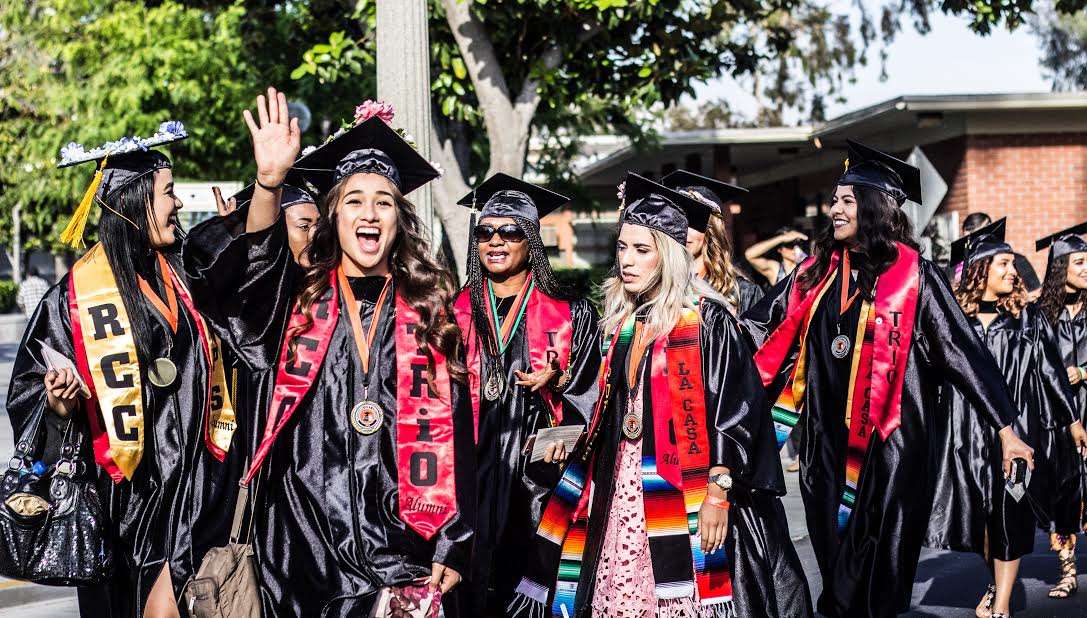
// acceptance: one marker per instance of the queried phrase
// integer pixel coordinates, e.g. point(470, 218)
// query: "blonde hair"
point(670, 289)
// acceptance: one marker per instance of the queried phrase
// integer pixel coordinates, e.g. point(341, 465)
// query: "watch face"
point(723, 481)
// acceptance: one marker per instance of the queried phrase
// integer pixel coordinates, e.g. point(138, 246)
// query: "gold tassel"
point(847, 164)
point(73, 234)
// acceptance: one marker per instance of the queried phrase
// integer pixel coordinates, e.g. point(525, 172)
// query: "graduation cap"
point(657, 207)
point(715, 192)
point(120, 163)
point(294, 192)
point(1064, 242)
point(871, 168)
point(371, 147)
point(980, 244)
point(503, 195)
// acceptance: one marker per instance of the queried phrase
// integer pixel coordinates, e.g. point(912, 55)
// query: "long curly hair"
point(421, 281)
point(974, 281)
point(721, 273)
point(1052, 299)
point(543, 278)
point(881, 225)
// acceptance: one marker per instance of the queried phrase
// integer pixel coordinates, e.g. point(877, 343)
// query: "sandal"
point(1067, 585)
point(986, 602)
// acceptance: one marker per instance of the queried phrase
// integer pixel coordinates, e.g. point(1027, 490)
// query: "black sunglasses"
point(509, 232)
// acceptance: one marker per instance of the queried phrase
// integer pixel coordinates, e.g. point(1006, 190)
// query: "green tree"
point(86, 71)
point(503, 72)
point(1063, 41)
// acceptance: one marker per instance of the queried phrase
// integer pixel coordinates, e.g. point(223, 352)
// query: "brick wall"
point(1039, 181)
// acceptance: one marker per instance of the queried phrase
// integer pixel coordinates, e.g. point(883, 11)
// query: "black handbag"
point(52, 526)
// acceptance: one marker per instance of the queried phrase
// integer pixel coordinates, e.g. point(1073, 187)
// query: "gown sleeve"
point(453, 547)
point(750, 295)
point(761, 319)
point(242, 283)
point(579, 396)
point(742, 437)
point(955, 351)
point(50, 324)
point(1052, 375)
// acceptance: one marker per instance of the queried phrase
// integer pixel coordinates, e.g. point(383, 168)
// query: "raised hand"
point(276, 138)
point(224, 207)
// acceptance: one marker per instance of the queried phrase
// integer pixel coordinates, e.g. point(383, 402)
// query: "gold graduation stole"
point(107, 361)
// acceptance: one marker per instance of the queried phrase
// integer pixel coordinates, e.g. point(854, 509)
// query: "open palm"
point(276, 137)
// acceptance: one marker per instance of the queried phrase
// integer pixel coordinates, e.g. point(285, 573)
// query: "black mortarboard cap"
point(1064, 242)
point(717, 192)
point(371, 146)
point(657, 207)
point(871, 168)
point(503, 195)
point(980, 244)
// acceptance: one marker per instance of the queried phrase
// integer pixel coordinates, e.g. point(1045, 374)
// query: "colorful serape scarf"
point(674, 483)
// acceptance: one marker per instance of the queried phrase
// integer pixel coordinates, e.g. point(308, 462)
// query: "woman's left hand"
point(443, 578)
point(537, 379)
point(1079, 435)
point(712, 526)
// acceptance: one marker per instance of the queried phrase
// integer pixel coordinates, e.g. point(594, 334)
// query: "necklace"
point(841, 344)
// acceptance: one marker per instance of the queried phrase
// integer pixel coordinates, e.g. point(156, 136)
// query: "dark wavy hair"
point(128, 250)
point(881, 225)
point(974, 280)
point(421, 281)
point(1051, 300)
point(543, 278)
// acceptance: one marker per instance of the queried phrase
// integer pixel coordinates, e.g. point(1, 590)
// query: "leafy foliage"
point(1063, 40)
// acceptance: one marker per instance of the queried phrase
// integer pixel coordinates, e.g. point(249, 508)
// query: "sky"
point(950, 59)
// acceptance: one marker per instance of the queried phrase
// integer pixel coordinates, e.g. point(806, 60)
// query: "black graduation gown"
point(970, 494)
point(1069, 511)
point(749, 295)
point(327, 534)
point(178, 504)
point(767, 577)
point(512, 491)
point(870, 570)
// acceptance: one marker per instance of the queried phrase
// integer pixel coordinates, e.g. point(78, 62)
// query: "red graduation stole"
point(895, 310)
point(549, 330)
point(424, 412)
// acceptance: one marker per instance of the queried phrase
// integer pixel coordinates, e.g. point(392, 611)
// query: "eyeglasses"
point(509, 232)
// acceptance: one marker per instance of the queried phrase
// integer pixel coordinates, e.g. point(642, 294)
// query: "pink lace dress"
point(624, 576)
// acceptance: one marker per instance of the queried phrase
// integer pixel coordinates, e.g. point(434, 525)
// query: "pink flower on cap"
point(370, 108)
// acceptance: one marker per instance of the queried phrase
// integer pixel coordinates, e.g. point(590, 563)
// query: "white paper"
point(567, 434)
point(56, 361)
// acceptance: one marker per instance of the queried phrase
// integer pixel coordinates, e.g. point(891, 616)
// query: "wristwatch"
point(723, 481)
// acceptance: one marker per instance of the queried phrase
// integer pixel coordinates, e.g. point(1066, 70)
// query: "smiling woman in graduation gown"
point(533, 359)
point(972, 510)
point(867, 485)
point(159, 419)
point(1063, 301)
point(683, 518)
point(369, 475)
